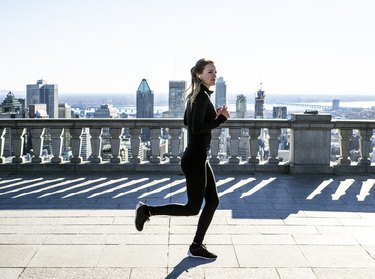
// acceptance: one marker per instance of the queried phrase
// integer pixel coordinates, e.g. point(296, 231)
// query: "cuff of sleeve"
point(222, 118)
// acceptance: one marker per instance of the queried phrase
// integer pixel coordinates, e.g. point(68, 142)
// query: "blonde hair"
point(195, 81)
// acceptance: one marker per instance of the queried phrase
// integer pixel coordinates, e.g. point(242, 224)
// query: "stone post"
point(254, 145)
point(274, 146)
point(37, 138)
point(18, 141)
point(344, 135)
point(76, 141)
point(235, 134)
point(96, 144)
point(175, 134)
point(115, 144)
point(135, 141)
point(365, 144)
point(311, 143)
point(56, 138)
point(2, 141)
point(215, 142)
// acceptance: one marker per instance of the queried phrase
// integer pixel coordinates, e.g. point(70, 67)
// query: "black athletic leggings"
point(200, 183)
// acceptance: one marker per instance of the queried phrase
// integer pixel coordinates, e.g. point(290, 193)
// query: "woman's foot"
point(141, 215)
point(200, 251)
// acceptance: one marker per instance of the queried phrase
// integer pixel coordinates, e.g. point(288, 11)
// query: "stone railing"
point(310, 141)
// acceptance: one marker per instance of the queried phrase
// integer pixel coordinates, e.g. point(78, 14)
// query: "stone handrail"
point(309, 144)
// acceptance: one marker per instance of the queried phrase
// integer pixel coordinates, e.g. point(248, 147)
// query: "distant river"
point(269, 106)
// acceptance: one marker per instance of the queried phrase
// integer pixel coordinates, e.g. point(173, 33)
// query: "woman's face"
point(208, 76)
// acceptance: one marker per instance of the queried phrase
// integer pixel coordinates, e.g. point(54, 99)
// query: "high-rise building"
point(11, 105)
point(241, 112)
point(259, 104)
point(335, 104)
point(42, 93)
point(220, 93)
point(65, 111)
point(145, 101)
point(145, 106)
point(279, 112)
point(177, 89)
point(106, 111)
point(241, 106)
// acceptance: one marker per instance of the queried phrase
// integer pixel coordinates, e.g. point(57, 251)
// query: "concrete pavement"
point(267, 226)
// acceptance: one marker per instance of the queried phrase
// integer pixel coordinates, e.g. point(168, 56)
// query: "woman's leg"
point(194, 168)
point(211, 203)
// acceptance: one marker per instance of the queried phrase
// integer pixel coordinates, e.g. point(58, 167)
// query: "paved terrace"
point(267, 226)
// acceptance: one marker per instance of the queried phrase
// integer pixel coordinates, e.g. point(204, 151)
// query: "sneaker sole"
point(199, 257)
point(139, 204)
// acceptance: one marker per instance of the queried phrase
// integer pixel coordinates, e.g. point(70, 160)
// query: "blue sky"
point(292, 46)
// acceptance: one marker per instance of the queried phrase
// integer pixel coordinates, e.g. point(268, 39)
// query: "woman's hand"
point(222, 110)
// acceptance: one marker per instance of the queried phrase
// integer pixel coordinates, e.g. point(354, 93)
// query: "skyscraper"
point(145, 106)
point(145, 101)
point(241, 106)
point(42, 93)
point(176, 98)
point(220, 92)
point(259, 104)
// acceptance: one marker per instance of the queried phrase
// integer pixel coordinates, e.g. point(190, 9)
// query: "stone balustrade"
point(310, 141)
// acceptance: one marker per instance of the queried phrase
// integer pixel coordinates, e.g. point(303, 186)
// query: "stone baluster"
point(175, 134)
point(274, 146)
point(37, 138)
point(96, 144)
point(344, 136)
point(365, 144)
point(215, 142)
point(18, 140)
point(135, 142)
point(56, 139)
point(2, 141)
point(155, 145)
point(115, 144)
point(76, 142)
point(254, 145)
point(235, 134)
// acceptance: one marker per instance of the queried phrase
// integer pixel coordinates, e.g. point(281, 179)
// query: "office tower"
point(220, 93)
point(279, 112)
point(241, 106)
point(145, 101)
point(65, 111)
point(145, 106)
point(259, 104)
point(11, 105)
point(244, 147)
point(106, 111)
point(176, 98)
point(335, 104)
point(42, 93)
point(38, 111)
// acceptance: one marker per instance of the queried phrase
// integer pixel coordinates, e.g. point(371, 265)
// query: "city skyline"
point(292, 47)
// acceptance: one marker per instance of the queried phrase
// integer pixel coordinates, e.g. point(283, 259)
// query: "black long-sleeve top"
point(201, 119)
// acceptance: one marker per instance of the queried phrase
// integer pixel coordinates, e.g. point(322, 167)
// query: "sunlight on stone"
point(365, 189)
point(172, 184)
point(21, 183)
point(341, 190)
point(239, 184)
point(51, 187)
point(105, 184)
point(145, 186)
point(319, 189)
point(130, 183)
point(261, 185)
point(32, 186)
point(83, 184)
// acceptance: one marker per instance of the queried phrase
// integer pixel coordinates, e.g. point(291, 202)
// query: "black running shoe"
point(201, 252)
point(140, 216)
